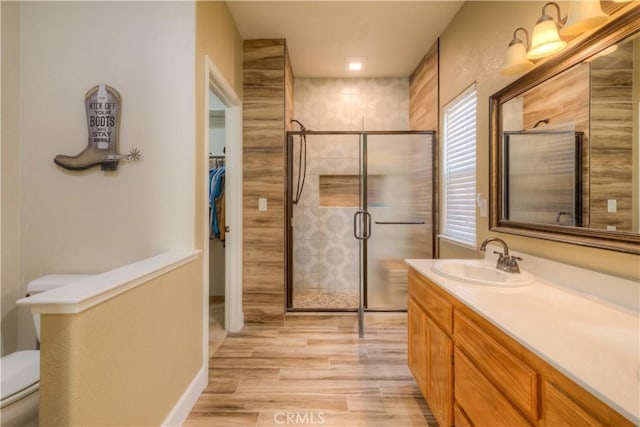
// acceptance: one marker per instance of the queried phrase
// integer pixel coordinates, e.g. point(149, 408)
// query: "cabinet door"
point(440, 374)
point(560, 411)
point(418, 345)
point(483, 404)
point(459, 418)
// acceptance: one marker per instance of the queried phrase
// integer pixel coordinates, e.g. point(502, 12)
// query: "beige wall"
point(127, 361)
point(217, 37)
point(472, 49)
point(10, 281)
point(140, 351)
point(93, 221)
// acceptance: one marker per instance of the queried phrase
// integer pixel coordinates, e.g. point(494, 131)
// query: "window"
point(459, 168)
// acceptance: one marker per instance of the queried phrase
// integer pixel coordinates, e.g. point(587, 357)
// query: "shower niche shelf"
point(343, 191)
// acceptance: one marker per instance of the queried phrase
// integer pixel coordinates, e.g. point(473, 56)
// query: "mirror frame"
point(622, 25)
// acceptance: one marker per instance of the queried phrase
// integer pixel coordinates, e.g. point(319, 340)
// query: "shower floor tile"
point(325, 300)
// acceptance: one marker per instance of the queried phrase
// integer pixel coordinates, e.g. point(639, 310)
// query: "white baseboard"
point(183, 406)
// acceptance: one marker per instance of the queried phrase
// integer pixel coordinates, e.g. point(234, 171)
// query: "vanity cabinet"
point(498, 382)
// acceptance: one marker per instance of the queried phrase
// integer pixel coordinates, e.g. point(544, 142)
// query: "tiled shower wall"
point(344, 104)
point(325, 251)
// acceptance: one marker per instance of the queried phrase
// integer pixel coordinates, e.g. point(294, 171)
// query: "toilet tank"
point(46, 283)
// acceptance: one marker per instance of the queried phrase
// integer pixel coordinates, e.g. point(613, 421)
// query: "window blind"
point(459, 168)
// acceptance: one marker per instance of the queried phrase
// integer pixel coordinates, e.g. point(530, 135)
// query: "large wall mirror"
point(565, 149)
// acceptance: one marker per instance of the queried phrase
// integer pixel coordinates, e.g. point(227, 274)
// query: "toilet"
point(20, 371)
point(20, 388)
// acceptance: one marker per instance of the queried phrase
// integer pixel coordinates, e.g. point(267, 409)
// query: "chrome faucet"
point(506, 262)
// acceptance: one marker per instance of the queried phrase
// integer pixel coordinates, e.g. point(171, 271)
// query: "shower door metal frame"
point(362, 208)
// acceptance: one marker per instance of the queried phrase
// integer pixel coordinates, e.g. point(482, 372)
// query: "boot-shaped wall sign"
point(102, 104)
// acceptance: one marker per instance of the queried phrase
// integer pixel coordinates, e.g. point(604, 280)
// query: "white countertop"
point(591, 341)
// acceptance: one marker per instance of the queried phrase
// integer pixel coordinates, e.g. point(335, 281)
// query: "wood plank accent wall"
point(288, 92)
point(424, 114)
point(612, 138)
point(562, 98)
point(264, 82)
point(423, 93)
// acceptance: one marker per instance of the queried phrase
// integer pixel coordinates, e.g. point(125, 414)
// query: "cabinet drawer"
point(434, 305)
point(482, 402)
point(514, 378)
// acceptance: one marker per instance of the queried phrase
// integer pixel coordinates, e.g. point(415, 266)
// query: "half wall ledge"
point(86, 293)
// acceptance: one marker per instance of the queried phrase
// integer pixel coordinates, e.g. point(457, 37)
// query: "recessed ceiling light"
point(355, 63)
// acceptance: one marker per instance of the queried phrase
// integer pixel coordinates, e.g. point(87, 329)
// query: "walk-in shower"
point(368, 203)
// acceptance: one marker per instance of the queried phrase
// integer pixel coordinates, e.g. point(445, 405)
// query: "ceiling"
point(393, 36)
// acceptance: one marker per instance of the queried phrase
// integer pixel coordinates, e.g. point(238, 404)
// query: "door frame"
point(216, 83)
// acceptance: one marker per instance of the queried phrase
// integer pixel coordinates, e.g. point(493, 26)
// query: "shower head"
point(302, 128)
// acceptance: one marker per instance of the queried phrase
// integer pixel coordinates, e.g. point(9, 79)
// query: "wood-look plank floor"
point(313, 371)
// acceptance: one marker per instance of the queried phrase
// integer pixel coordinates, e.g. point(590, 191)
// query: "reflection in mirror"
point(564, 144)
point(569, 146)
point(542, 177)
point(615, 85)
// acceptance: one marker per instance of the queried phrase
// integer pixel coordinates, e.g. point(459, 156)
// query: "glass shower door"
point(399, 198)
point(323, 260)
point(359, 203)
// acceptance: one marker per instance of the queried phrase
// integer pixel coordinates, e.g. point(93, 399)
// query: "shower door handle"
point(400, 222)
point(367, 228)
point(365, 225)
point(356, 216)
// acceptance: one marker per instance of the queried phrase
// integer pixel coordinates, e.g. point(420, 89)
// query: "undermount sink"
point(482, 273)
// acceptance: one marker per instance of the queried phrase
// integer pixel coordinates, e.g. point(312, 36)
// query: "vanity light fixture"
point(583, 16)
point(545, 39)
point(516, 61)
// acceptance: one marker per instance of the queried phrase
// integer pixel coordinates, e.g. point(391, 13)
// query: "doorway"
point(220, 97)
point(358, 204)
point(217, 202)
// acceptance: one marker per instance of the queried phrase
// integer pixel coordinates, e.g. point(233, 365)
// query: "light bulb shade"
point(583, 16)
point(516, 61)
point(545, 40)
